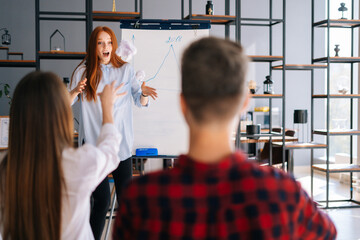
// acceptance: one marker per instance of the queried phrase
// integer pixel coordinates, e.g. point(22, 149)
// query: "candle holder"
point(57, 48)
point(268, 86)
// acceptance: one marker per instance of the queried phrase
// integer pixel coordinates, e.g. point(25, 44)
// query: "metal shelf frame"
point(328, 24)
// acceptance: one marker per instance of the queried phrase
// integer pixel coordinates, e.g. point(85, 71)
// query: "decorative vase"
point(209, 8)
point(337, 50)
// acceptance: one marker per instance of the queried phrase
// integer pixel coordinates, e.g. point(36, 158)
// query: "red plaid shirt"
point(233, 199)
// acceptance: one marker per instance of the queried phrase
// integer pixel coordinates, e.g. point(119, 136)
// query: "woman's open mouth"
point(106, 54)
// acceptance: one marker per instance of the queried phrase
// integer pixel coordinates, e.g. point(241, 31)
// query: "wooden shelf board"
point(17, 63)
point(109, 15)
point(60, 52)
point(266, 139)
point(337, 167)
point(264, 58)
point(338, 132)
point(338, 23)
point(266, 95)
point(61, 55)
point(294, 145)
point(220, 19)
point(4, 48)
point(15, 53)
point(337, 96)
point(300, 67)
point(338, 59)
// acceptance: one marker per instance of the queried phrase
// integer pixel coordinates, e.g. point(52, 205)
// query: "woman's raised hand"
point(108, 97)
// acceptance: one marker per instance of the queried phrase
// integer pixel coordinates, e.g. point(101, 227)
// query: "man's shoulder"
point(150, 183)
point(268, 175)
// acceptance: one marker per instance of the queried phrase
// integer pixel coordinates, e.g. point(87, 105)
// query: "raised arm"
point(96, 162)
point(77, 90)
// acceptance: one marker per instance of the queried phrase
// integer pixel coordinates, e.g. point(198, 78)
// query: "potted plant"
point(5, 90)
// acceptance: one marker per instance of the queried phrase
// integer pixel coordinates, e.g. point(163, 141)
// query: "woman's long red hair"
point(93, 71)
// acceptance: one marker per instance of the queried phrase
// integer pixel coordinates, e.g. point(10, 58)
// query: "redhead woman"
point(101, 66)
point(45, 183)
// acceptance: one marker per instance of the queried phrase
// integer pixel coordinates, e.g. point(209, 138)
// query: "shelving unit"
point(89, 16)
point(328, 168)
point(269, 22)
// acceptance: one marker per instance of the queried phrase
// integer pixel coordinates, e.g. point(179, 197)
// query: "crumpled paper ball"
point(140, 75)
point(126, 50)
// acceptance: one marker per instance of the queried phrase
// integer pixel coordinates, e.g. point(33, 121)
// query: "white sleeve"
point(88, 165)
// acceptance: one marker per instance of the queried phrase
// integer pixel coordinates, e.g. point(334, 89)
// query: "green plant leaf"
point(7, 85)
point(6, 91)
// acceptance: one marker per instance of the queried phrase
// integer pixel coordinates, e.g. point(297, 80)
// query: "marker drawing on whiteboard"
point(133, 42)
point(171, 49)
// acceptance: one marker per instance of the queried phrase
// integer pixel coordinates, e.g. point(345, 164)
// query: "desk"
point(296, 145)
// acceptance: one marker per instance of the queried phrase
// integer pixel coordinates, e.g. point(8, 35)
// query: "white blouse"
point(91, 112)
point(84, 168)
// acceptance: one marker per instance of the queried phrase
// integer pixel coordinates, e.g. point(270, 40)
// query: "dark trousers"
point(100, 199)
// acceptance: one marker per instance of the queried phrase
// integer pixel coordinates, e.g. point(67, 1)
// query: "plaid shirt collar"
point(186, 161)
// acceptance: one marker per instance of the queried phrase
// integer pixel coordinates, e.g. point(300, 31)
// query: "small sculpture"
point(337, 50)
point(252, 87)
point(114, 6)
point(342, 9)
point(343, 90)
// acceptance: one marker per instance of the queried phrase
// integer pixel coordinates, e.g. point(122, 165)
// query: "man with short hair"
point(214, 192)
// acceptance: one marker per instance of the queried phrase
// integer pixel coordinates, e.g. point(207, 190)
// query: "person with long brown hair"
point(100, 66)
point(45, 183)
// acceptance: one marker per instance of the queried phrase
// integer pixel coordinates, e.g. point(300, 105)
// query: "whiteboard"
point(161, 125)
